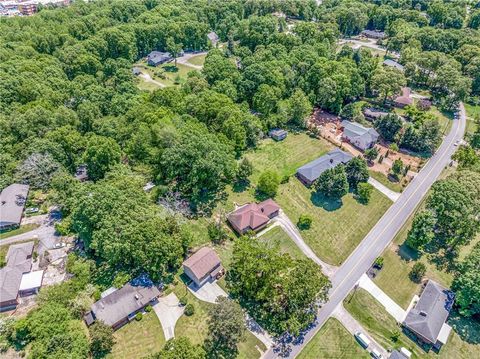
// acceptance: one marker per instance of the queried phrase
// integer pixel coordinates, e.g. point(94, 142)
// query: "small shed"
point(213, 38)
point(278, 134)
point(136, 71)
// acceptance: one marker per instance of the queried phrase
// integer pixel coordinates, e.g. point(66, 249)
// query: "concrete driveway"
point(168, 311)
point(392, 195)
point(209, 292)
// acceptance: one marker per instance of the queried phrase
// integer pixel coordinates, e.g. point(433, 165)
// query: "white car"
point(376, 354)
point(362, 338)
point(59, 245)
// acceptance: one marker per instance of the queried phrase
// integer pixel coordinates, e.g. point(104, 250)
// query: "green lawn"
point(333, 341)
point(138, 338)
point(23, 229)
point(279, 237)
point(195, 327)
point(166, 74)
point(286, 156)
point(198, 60)
point(337, 227)
point(472, 112)
point(374, 318)
point(380, 177)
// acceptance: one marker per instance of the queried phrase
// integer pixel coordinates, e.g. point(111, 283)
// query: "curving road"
point(384, 231)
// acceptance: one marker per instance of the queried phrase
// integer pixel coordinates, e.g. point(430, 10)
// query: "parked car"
point(59, 245)
point(363, 340)
point(31, 210)
point(376, 354)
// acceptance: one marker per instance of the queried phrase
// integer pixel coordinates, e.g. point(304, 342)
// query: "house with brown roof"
point(253, 216)
point(404, 99)
point(204, 265)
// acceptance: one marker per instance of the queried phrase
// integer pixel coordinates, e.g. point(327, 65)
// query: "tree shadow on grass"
point(407, 253)
point(443, 257)
point(240, 186)
point(328, 204)
point(466, 327)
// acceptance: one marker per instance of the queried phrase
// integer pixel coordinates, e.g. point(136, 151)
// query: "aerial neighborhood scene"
point(220, 179)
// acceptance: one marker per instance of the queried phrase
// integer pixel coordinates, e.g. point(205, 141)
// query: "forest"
point(68, 97)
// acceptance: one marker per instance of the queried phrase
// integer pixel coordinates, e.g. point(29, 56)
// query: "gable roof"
point(430, 312)
point(404, 98)
point(157, 56)
point(202, 262)
point(314, 169)
point(12, 202)
point(373, 113)
point(212, 36)
point(123, 302)
point(19, 261)
point(355, 131)
point(253, 215)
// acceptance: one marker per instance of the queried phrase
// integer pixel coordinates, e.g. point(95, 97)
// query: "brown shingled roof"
point(253, 215)
point(202, 262)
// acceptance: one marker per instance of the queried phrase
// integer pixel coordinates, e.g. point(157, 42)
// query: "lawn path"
point(385, 190)
point(148, 78)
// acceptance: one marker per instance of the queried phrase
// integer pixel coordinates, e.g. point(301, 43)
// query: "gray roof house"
point(312, 170)
point(359, 136)
point(373, 114)
point(374, 34)
point(12, 203)
point(120, 306)
point(394, 64)
point(19, 261)
point(213, 37)
point(156, 58)
point(427, 318)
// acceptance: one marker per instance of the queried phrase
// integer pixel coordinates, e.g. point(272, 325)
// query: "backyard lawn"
point(472, 112)
point(374, 318)
point(333, 341)
point(23, 229)
point(279, 237)
point(167, 74)
point(337, 227)
point(138, 338)
point(195, 327)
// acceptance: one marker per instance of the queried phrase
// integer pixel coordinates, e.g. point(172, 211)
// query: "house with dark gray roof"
point(19, 262)
point(359, 136)
point(374, 34)
point(156, 58)
point(427, 318)
point(12, 203)
point(312, 170)
point(121, 306)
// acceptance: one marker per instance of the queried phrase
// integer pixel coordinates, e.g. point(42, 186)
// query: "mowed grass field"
point(377, 322)
point(138, 338)
point(333, 341)
point(278, 237)
point(198, 60)
point(337, 227)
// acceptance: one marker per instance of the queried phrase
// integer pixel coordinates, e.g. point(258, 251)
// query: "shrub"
point(417, 272)
point(395, 335)
point(148, 308)
point(304, 222)
point(380, 159)
point(364, 192)
point(379, 262)
point(183, 301)
point(138, 317)
point(285, 179)
point(189, 310)
point(268, 183)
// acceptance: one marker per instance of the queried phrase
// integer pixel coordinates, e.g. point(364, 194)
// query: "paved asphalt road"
point(384, 231)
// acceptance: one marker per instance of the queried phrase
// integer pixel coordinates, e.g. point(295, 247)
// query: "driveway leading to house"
point(148, 78)
point(295, 235)
point(385, 190)
point(351, 324)
point(255, 328)
point(389, 304)
point(187, 56)
point(168, 311)
point(209, 292)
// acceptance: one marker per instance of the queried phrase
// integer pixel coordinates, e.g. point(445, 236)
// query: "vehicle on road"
point(362, 339)
point(376, 354)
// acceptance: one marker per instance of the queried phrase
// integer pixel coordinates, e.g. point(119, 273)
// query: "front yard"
point(22, 229)
point(333, 341)
point(138, 338)
point(278, 236)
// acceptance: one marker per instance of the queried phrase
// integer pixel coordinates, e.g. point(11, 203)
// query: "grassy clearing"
point(444, 119)
point(333, 341)
point(472, 113)
point(279, 237)
point(23, 229)
point(338, 226)
point(167, 74)
point(373, 317)
point(197, 60)
point(138, 338)
point(380, 177)
point(195, 327)
point(286, 156)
